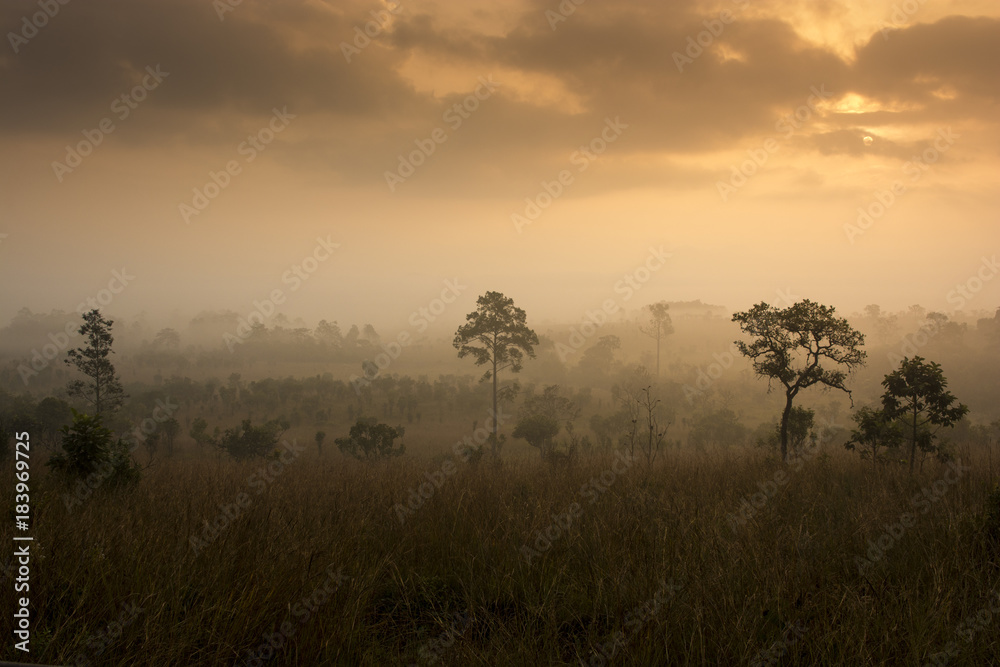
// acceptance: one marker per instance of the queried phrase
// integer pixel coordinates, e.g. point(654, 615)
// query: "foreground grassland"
point(648, 570)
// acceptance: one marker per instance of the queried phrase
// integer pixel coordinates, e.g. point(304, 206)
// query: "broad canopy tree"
point(917, 395)
point(370, 440)
point(790, 345)
point(495, 335)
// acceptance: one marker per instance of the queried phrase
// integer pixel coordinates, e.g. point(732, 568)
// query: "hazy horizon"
point(827, 107)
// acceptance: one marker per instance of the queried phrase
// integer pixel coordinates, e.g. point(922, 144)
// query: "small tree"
point(199, 432)
point(104, 389)
point(539, 430)
point(170, 429)
point(320, 437)
point(658, 326)
point(369, 440)
point(247, 441)
point(916, 394)
point(503, 339)
point(88, 448)
point(721, 428)
point(647, 419)
point(606, 429)
point(598, 360)
point(874, 431)
point(790, 344)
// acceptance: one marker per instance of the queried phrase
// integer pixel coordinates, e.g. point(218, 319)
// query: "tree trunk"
point(496, 439)
point(784, 427)
point(913, 441)
point(657, 350)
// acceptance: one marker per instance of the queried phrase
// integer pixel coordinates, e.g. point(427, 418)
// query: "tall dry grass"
point(651, 571)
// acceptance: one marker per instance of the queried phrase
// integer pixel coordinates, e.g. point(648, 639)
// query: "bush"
point(247, 441)
point(370, 440)
point(88, 447)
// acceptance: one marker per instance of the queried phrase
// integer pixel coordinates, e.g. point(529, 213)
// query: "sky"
point(359, 160)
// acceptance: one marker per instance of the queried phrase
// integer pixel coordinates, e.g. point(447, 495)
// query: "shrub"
point(369, 440)
point(89, 447)
point(247, 441)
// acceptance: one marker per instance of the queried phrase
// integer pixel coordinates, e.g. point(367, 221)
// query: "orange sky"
point(619, 101)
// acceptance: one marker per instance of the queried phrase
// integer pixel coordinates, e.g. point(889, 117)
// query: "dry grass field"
point(701, 559)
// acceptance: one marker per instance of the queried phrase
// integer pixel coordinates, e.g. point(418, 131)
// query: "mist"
point(425, 332)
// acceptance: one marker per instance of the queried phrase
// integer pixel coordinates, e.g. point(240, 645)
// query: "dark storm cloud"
point(909, 64)
point(615, 60)
point(69, 73)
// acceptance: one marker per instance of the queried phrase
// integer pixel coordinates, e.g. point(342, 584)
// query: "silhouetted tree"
point(369, 440)
point(503, 337)
point(599, 358)
point(89, 448)
point(167, 338)
point(170, 428)
point(248, 441)
point(789, 345)
point(874, 430)
point(721, 428)
point(916, 394)
point(104, 389)
point(538, 430)
point(658, 326)
point(320, 437)
point(199, 432)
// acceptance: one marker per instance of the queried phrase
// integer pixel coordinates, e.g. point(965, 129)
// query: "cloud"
point(559, 85)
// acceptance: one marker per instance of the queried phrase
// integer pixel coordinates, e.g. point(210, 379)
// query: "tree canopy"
point(496, 335)
point(791, 345)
